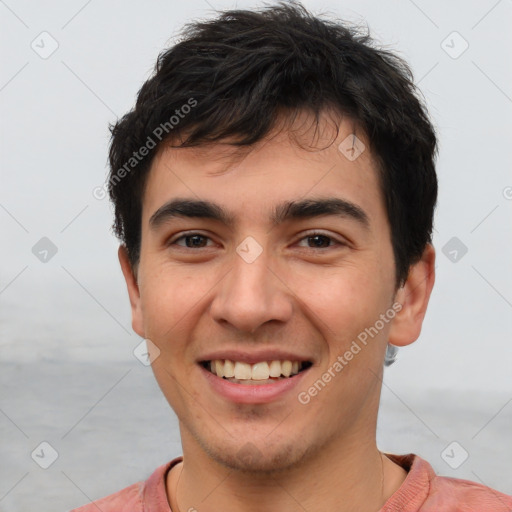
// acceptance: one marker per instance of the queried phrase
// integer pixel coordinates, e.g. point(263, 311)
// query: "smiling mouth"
point(263, 372)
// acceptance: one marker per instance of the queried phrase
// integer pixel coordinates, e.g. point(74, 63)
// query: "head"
point(259, 132)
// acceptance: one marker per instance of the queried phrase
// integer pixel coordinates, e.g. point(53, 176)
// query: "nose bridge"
point(250, 295)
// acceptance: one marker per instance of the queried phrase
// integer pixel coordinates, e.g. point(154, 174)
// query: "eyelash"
point(311, 234)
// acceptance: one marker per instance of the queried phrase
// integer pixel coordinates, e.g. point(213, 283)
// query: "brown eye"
point(316, 240)
point(319, 241)
point(192, 240)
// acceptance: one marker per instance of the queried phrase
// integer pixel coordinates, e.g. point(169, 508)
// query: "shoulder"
point(466, 496)
point(145, 495)
point(126, 500)
point(425, 491)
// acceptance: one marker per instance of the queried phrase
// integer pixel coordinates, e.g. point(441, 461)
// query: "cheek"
point(340, 297)
point(344, 305)
point(168, 298)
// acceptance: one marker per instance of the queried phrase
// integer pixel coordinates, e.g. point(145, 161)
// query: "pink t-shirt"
point(421, 491)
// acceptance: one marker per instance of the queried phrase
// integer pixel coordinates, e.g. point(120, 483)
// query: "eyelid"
point(184, 234)
point(310, 233)
point(315, 232)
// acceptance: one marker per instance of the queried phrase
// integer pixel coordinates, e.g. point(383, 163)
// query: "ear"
point(413, 295)
point(133, 290)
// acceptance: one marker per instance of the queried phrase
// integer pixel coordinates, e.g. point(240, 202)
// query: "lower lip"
point(251, 393)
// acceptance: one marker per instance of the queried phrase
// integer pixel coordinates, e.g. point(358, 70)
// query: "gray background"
point(68, 373)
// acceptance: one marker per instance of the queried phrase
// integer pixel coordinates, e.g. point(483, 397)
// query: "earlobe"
point(133, 290)
point(413, 296)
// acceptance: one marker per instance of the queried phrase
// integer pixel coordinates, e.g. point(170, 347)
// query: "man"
point(274, 190)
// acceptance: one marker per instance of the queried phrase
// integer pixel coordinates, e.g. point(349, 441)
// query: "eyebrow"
point(289, 210)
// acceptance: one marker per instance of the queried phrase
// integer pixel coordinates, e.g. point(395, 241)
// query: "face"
point(259, 275)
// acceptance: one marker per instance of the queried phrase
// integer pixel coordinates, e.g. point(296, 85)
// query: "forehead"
point(302, 161)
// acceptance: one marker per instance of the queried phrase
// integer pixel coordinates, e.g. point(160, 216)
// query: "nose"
point(250, 295)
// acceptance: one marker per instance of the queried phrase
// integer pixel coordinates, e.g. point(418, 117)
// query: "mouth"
point(259, 373)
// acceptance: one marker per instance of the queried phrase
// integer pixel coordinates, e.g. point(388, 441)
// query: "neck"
point(336, 478)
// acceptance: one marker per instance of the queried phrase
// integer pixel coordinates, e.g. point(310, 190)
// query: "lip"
point(254, 357)
point(251, 393)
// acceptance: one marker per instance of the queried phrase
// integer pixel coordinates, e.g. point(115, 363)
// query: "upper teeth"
point(258, 371)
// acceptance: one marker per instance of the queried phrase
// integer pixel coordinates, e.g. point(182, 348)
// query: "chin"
point(262, 458)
